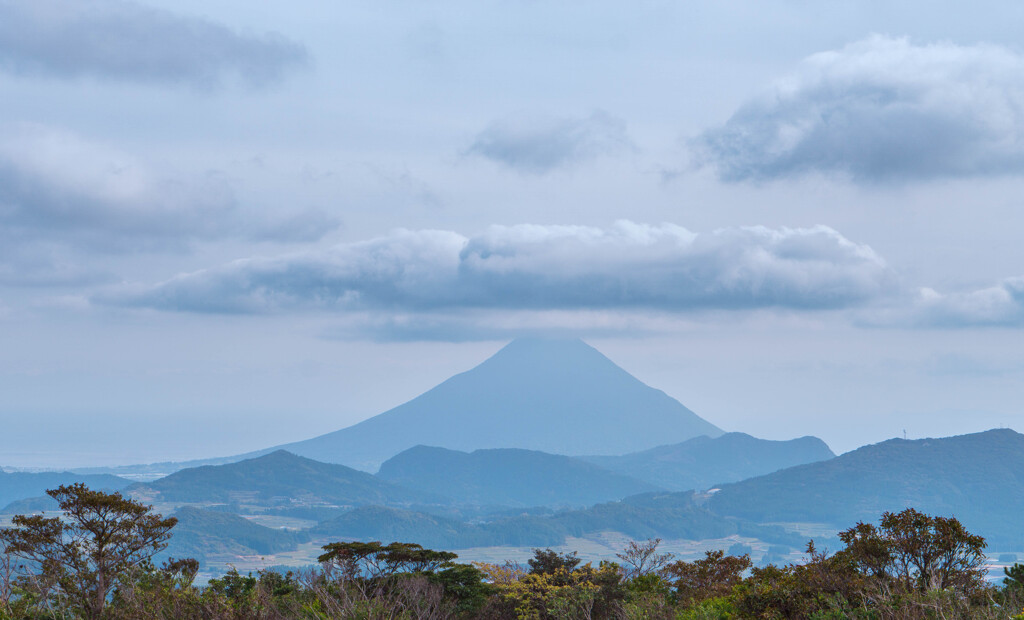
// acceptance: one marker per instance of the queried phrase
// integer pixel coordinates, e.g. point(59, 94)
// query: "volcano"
point(556, 396)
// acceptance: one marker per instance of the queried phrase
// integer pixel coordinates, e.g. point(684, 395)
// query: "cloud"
point(1001, 305)
point(881, 110)
point(541, 145)
point(537, 268)
point(477, 326)
point(57, 186)
point(63, 197)
point(124, 40)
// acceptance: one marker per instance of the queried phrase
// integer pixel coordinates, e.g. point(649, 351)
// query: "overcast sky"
point(226, 225)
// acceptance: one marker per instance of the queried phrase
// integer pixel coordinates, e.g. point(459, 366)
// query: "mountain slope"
point(279, 477)
point(508, 476)
point(701, 462)
point(16, 486)
point(556, 396)
point(978, 478)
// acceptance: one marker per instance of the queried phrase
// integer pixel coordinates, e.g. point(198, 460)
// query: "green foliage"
point(918, 552)
point(466, 585)
point(1014, 578)
point(720, 608)
point(374, 560)
point(549, 562)
point(876, 577)
point(585, 592)
point(710, 577)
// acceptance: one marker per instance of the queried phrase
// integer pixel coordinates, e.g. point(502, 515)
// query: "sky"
point(227, 225)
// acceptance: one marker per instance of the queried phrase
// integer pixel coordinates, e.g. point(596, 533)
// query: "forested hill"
point(978, 478)
point(508, 477)
point(701, 462)
point(653, 515)
point(557, 396)
point(283, 476)
point(202, 534)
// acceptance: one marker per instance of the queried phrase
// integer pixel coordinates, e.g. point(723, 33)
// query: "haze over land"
point(731, 492)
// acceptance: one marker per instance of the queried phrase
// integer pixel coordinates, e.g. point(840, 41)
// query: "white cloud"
point(625, 267)
point(880, 110)
point(1001, 305)
point(540, 145)
point(126, 40)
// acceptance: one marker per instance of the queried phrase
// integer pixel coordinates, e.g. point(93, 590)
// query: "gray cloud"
point(536, 268)
point(540, 145)
point(1001, 305)
point(63, 197)
point(880, 110)
point(129, 41)
point(57, 187)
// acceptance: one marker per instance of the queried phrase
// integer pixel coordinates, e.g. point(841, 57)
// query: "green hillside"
point(977, 478)
point(202, 534)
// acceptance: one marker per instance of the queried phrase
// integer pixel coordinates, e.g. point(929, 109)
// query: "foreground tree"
point(640, 559)
point(918, 551)
point(548, 562)
point(376, 561)
point(713, 575)
point(83, 555)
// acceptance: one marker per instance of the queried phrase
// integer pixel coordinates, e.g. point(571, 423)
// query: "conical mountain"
point(556, 396)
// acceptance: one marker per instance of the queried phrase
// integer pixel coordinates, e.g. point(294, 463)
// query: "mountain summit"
point(556, 396)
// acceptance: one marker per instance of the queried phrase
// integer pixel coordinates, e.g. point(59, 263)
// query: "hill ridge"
point(977, 477)
point(508, 477)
